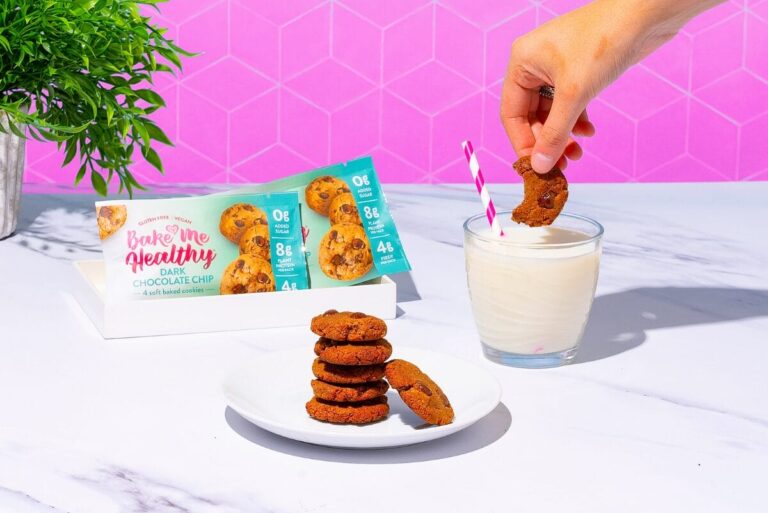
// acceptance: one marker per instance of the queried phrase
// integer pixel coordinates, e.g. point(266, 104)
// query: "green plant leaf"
point(156, 133)
point(153, 158)
point(78, 73)
point(99, 185)
point(150, 96)
point(110, 110)
point(142, 131)
point(80, 174)
point(71, 152)
point(131, 180)
point(15, 129)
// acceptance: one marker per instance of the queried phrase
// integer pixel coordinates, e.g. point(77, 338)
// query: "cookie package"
point(201, 246)
point(350, 236)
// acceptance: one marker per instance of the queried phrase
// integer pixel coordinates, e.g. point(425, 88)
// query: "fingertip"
point(541, 163)
point(584, 129)
point(574, 151)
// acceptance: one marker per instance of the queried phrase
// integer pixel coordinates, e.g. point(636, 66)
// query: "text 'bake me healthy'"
point(174, 245)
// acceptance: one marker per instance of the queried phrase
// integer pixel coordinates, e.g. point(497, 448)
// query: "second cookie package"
point(328, 227)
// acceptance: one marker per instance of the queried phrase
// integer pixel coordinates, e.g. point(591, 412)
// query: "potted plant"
point(79, 73)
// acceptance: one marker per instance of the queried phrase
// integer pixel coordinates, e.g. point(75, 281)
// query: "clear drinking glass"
point(532, 289)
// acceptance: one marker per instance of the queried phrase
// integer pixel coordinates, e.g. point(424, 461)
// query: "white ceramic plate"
point(271, 392)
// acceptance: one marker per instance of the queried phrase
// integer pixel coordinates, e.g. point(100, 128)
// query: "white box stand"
point(203, 314)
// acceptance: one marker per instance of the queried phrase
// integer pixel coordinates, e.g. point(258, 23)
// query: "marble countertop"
point(664, 409)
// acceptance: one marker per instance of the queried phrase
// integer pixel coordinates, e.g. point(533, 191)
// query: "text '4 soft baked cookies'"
point(350, 366)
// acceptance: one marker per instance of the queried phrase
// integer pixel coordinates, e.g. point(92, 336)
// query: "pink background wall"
point(288, 85)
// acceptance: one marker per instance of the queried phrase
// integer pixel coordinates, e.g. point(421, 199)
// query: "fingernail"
point(542, 163)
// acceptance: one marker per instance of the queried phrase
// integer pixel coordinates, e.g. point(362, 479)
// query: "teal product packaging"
point(350, 236)
point(200, 246)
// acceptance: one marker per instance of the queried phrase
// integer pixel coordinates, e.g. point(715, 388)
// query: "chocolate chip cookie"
point(110, 218)
point(321, 191)
point(348, 326)
point(419, 392)
point(545, 195)
point(236, 219)
point(363, 412)
point(348, 393)
point(343, 209)
point(346, 374)
point(246, 274)
point(344, 252)
point(255, 241)
point(359, 353)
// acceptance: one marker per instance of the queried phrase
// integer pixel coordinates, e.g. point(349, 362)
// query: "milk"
point(532, 289)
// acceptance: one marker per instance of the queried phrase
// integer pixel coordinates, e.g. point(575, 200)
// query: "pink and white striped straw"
point(477, 174)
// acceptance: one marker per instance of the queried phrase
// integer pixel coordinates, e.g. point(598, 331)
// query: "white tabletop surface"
point(665, 409)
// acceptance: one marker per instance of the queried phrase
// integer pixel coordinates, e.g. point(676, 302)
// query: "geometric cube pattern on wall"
point(285, 86)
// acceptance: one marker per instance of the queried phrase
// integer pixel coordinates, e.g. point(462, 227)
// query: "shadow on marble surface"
point(406, 287)
point(620, 321)
point(53, 225)
point(34, 205)
point(482, 434)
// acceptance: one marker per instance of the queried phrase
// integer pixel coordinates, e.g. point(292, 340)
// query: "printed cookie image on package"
point(198, 246)
point(350, 236)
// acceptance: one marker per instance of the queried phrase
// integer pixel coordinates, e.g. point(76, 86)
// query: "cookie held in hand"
point(545, 195)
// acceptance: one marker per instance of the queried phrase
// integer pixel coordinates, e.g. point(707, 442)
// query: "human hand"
point(579, 53)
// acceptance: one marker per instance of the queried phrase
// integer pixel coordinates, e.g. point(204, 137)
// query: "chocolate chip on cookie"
point(246, 274)
point(236, 219)
point(545, 195)
point(348, 326)
point(110, 218)
point(363, 412)
point(344, 252)
point(358, 353)
point(322, 190)
point(346, 374)
point(419, 392)
point(349, 393)
point(343, 209)
point(255, 241)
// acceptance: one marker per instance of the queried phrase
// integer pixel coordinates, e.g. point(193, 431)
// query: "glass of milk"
point(532, 288)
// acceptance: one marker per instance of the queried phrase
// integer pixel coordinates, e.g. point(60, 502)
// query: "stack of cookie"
point(349, 367)
point(246, 225)
point(344, 252)
point(351, 362)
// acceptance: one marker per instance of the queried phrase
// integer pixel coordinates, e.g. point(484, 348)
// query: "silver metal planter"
point(11, 173)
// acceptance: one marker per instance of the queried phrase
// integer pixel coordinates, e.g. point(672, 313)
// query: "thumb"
point(553, 137)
